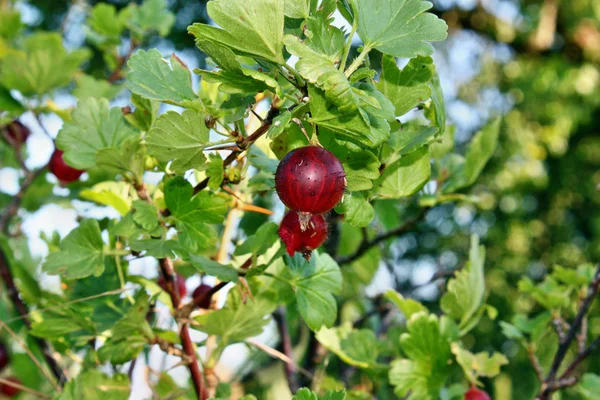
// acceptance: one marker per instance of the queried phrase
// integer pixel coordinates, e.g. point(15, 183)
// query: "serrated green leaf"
point(145, 215)
point(399, 27)
point(54, 326)
point(156, 248)
point(411, 377)
point(253, 28)
point(88, 86)
point(354, 347)
point(152, 77)
point(405, 176)
point(81, 253)
point(94, 127)
point(104, 20)
point(145, 113)
point(280, 123)
point(215, 172)
point(260, 242)
point(466, 290)
point(361, 169)
point(151, 15)
point(297, 8)
point(225, 273)
point(94, 385)
point(356, 209)
point(128, 158)
point(180, 138)
point(315, 282)
point(407, 306)
point(478, 365)
point(114, 194)
point(42, 66)
point(408, 87)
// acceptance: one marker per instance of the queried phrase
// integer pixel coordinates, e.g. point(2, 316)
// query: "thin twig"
point(279, 355)
point(288, 350)
point(535, 362)
point(24, 388)
point(367, 244)
point(582, 356)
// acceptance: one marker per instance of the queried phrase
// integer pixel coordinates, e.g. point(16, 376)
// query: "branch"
point(367, 244)
point(117, 72)
point(550, 384)
point(286, 346)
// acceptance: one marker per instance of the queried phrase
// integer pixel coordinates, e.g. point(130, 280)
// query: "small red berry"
point(4, 359)
point(180, 281)
point(64, 172)
point(8, 390)
point(202, 292)
point(303, 241)
point(476, 394)
point(17, 132)
point(310, 180)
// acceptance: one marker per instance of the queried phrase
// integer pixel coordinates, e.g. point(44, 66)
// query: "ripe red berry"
point(180, 282)
point(310, 180)
point(8, 390)
point(64, 172)
point(4, 359)
point(17, 132)
point(476, 394)
point(303, 241)
point(202, 292)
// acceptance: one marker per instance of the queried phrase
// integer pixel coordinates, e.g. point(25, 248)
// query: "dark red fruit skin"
point(304, 242)
point(203, 291)
point(17, 132)
point(180, 281)
point(310, 179)
point(64, 172)
point(4, 359)
point(476, 394)
point(10, 391)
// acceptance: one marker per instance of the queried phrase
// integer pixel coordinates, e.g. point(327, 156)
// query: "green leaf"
point(10, 22)
point(94, 127)
point(194, 213)
point(315, 283)
point(215, 172)
point(180, 138)
point(154, 78)
point(407, 87)
point(354, 347)
point(145, 215)
point(260, 242)
point(549, 293)
point(405, 141)
point(88, 86)
point(104, 20)
point(407, 306)
point(370, 131)
point(306, 394)
point(114, 194)
point(280, 123)
point(466, 290)
point(436, 112)
point(225, 273)
point(156, 248)
point(297, 8)
point(478, 365)
point(253, 28)
point(361, 169)
point(122, 351)
point(127, 159)
point(356, 209)
point(94, 385)
point(54, 326)
point(80, 253)
point(236, 325)
point(405, 176)
point(479, 151)
point(589, 386)
point(42, 66)
point(243, 81)
point(399, 27)
point(151, 15)
point(412, 377)
point(145, 113)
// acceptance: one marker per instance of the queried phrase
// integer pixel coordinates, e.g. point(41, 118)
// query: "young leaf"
point(400, 28)
point(152, 77)
point(405, 176)
point(80, 253)
point(114, 194)
point(249, 27)
point(466, 290)
point(478, 365)
point(407, 306)
point(94, 127)
point(151, 15)
point(180, 138)
point(215, 172)
point(354, 347)
point(408, 87)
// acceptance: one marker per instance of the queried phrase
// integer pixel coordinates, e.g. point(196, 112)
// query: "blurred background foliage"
point(537, 62)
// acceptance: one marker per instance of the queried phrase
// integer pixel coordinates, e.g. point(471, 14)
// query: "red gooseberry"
point(180, 281)
point(202, 296)
point(64, 172)
point(303, 241)
point(476, 394)
point(4, 359)
point(9, 390)
point(310, 180)
point(16, 132)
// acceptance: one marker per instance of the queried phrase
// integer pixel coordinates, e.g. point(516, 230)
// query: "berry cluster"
point(310, 181)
